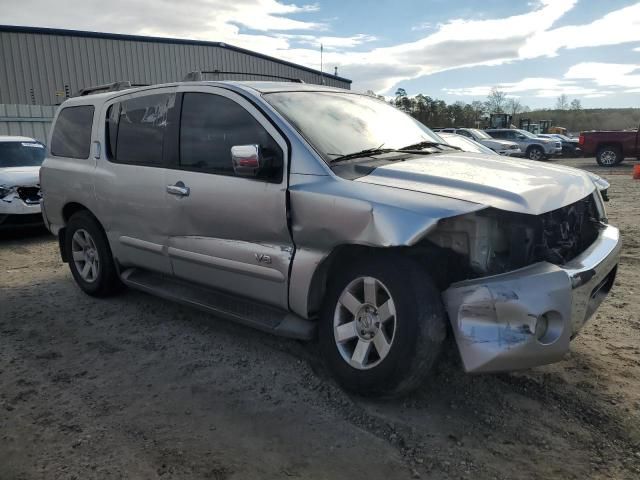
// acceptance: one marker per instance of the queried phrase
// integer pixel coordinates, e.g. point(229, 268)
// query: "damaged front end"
point(20, 205)
point(28, 195)
point(518, 287)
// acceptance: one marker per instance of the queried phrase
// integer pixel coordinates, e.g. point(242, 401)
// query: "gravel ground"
point(137, 387)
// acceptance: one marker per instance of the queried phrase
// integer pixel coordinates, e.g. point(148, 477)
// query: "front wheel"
point(535, 153)
point(609, 156)
point(382, 325)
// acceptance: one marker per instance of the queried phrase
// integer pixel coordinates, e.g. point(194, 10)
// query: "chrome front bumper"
point(527, 317)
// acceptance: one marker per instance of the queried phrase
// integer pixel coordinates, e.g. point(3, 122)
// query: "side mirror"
point(247, 160)
point(520, 137)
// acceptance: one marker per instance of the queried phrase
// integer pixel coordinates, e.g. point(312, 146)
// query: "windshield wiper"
point(427, 144)
point(362, 153)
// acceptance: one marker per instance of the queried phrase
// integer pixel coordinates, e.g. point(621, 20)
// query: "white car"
point(465, 143)
point(20, 160)
point(501, 147)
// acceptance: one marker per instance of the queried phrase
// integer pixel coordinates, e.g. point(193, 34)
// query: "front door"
point(228, 232)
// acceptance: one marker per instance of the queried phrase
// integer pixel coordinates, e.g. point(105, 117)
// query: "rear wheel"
point(609, 156)
point(382, 325)
point(535, 153)
point(90, 259)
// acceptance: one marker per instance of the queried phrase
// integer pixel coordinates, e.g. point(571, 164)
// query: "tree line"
point(567, 113)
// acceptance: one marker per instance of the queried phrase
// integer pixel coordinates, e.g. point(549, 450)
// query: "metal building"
point(43, 66)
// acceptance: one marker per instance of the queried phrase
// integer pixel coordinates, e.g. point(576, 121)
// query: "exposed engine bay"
point(30, 195)
point(493, 241)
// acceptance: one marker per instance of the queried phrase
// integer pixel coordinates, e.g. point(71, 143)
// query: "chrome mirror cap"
point(246, 159)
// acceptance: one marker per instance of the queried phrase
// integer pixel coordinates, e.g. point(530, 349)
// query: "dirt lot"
point(137, 387)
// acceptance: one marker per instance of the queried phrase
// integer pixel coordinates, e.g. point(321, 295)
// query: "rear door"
point(225, 231)
point(131, 178)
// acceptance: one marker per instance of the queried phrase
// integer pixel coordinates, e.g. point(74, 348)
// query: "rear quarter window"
point(72, 132)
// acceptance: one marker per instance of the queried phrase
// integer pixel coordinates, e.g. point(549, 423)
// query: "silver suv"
point(309, 211)
point(534, 147)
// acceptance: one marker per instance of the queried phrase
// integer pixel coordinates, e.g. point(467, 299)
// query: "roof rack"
point(197, 75)
point(108, 87)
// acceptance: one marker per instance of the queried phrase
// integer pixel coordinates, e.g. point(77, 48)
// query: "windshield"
point(526, 134)
point(338, 124)
point(480, 134)
point(21, 154)
point(466, 144)
point(562, 137)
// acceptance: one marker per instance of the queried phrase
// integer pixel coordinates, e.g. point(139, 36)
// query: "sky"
point(451, 50)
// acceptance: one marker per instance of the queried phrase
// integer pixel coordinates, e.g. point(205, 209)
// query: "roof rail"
point(108, 87)
point(197, 75)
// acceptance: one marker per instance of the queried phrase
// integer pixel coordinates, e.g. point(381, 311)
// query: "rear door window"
point(136, 129)
point(72, 132)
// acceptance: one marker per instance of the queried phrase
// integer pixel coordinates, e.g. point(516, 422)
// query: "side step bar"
point(262, 317)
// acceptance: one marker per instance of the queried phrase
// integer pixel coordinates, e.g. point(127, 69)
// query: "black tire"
point(106, 281)
point(609, 156)
point(535, 153)
point(420, 326)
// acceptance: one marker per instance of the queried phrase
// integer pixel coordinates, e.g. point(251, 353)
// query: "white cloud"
point(211, 19)
point(275, 27)
point(607, 74)
point(542, 87)
point(619, 26)
point(329, 42)
point(583, 79)
point(422, 26)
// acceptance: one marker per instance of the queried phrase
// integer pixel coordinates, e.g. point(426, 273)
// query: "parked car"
point(306, 210)
point(570, 146)
point(20, 160)
point(534, 147)
point(502, 147)
point(464, 143)
point(610, 147)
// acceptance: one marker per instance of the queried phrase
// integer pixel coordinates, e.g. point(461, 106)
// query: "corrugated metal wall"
point(37, 67)
point(26, 120)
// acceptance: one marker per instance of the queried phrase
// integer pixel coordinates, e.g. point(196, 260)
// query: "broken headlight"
point(4, 190)
point(601, 184)
point(480, 238)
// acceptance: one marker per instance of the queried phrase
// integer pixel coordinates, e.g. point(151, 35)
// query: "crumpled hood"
point(515, 185)
point(19, 176)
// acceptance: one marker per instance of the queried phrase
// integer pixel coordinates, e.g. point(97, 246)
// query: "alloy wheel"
point(535, 154)
point(608, 157)
point(364, 323)
point(85, 255)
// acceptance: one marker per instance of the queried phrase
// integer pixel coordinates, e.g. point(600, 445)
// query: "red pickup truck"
point(610, 147)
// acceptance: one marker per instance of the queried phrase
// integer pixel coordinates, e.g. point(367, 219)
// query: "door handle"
point(178, 189)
